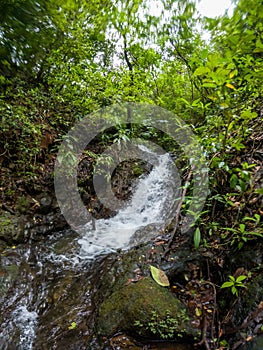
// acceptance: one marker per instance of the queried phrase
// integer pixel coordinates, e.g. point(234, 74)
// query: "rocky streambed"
point(63, 290)
point(51, 298)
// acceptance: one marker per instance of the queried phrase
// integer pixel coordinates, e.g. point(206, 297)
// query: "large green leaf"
point(159, 276)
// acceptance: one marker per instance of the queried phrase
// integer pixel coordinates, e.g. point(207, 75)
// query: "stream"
point(49, 283)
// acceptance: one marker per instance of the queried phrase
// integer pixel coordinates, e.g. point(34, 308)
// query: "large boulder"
point(147, 310)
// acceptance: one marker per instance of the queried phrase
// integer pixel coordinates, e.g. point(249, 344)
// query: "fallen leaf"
point(159, 276)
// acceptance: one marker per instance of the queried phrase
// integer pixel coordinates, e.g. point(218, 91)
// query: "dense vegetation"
point(61, 60)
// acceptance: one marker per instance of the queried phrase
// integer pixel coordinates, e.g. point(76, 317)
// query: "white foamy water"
point(27, 322)
point(153, 202)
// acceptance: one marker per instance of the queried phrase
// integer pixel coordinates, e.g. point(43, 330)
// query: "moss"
point(4, 222)
point(23, 204)
point(164, 327)
point(133, 305)
point(11, 228)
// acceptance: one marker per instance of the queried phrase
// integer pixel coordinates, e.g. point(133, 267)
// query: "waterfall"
point(153, 202)
point(38, 267)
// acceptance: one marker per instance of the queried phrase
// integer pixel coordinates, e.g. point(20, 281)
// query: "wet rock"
point(255, 344)
point(249, 258)
point(248, 308)
point(146, 309)
point(11, 228)
point(101, 295)
point(245, 313)
point(126, 175)
point(123, 341)
point(10, 346)
point(145, 234)
point(45, 224)
point(8, 276)
point(17, 228)
point(45, 203)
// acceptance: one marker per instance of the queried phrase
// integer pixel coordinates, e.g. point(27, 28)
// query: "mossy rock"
point(248, 301)
point(11, 228)
point(147, 310)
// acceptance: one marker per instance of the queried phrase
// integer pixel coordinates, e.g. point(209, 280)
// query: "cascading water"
point(39, 269)
point(153, 201)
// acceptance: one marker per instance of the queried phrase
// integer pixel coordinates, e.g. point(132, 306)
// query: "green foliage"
point(241, 178)
point(60, 60)
point(27, 32)
point(197, 238)
point(20, 134)
point(241, 235)
point(235, 284)
point(168, 328)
